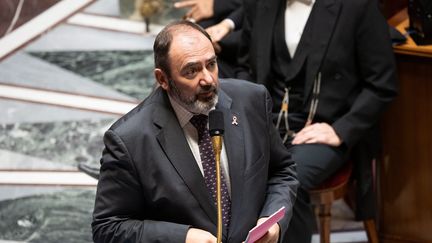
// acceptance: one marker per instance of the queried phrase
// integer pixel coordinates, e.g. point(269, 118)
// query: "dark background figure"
point(153, 177)
point(222, 19)
point(339, 71)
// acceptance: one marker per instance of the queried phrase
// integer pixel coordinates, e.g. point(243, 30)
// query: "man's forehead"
point(188, 36)
point(191, 45)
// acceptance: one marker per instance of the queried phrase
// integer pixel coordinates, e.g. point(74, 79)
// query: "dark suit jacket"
point(151, 189)
point(224, 9)
point(349, 45)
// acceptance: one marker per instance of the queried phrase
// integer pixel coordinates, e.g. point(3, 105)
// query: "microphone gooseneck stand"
point(217, 147)
point(216, 128)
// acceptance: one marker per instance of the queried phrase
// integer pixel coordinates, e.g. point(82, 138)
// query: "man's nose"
point(207, 77)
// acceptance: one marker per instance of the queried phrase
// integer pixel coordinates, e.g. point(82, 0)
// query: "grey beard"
point(192, 104)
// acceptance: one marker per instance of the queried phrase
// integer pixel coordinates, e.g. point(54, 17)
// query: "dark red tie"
point(209, 165)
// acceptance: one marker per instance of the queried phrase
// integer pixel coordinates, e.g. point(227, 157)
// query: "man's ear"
point(161, 78)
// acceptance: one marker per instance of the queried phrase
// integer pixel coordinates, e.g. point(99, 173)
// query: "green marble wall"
point(63, 216)
point(129, 72)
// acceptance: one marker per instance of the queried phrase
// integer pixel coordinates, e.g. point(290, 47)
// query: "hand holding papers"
point(260, 230)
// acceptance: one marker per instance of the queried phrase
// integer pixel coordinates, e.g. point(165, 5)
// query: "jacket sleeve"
point(377, 72)
point(237, 17)
point(243, 70)
point(120, 208)
point(282, 177)
point(223, 8)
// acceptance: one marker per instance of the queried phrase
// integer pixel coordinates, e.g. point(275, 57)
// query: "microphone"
point(216, 130)
point(216, 123)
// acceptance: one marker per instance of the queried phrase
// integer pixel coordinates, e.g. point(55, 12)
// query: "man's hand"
point(199, 9)
point(272, 235)
point(219, 31)
point(199, 236)
point(317, 133)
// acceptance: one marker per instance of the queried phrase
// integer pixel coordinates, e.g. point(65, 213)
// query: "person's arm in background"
point(377, 74)
point(205, 9)
point(233, 22)
point(378, 71)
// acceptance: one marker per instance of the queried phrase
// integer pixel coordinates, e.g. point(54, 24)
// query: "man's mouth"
point(206, 94)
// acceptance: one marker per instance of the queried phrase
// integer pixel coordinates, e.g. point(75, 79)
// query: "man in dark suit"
point(222, 19)
point(153, 186)
point(329, 65)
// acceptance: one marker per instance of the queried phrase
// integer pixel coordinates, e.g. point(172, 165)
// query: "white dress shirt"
point(191, 135)
point(296, 15)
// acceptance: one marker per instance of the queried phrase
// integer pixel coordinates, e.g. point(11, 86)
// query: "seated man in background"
point(157, 176)
point(222, 19)
point(330, 70)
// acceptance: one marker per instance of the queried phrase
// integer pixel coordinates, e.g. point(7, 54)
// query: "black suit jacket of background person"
point(348, 44)
point(151, 189)
point(227, 58)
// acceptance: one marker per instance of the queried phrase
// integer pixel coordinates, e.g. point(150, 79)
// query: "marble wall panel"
point(128, 72)
point(26, 70)
point(59, 216)
point(67, 143)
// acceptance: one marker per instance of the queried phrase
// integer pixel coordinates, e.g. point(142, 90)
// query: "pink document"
point(258, 231)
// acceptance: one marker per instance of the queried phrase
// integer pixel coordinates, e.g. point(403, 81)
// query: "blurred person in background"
point(330, 69)
point(222, 19)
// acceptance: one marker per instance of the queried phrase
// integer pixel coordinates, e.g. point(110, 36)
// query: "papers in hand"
point(258, 231)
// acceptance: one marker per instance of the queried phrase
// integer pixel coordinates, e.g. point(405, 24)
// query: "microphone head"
point(216, 123)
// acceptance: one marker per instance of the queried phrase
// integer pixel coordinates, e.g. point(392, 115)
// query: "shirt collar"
point(182, 114)
point(306, 2)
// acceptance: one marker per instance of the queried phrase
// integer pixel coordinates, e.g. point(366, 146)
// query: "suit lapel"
point(174, 144)
point(234, 144)
point(263, 32)
point(325, 15)
point(176, 148)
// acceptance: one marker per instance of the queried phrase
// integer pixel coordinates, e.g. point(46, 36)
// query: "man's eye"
point(191, 72)
point(211, 65)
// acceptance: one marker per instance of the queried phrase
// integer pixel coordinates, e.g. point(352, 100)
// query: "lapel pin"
point(234, 121)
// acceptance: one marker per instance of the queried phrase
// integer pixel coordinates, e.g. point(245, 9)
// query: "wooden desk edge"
point(400, 22)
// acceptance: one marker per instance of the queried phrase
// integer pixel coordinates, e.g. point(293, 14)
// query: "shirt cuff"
point(230, 23)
